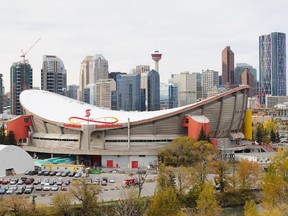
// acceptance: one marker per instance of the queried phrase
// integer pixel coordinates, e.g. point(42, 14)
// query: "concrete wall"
point(126, 161)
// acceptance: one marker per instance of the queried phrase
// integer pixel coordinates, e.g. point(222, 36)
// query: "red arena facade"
point(60, 125)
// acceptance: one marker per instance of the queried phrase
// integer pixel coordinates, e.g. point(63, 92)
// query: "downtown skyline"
point(191, 36)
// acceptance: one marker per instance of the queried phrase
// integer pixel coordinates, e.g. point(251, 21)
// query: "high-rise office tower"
point(156, 56)
point(173, 95)
point(17, 83)
point(84, 76)
point(53, 75)
point(91, 70)
point(1, 93)
point(272, 65)
point(247, 78)
point(210, 78)
point(141, 69)
point(100, 69)
point(187, 87)
point(153, 79)
point(86, 94)
point(72, 91)
point(104, 88)
point(240, 68)
point(144, 88)
point(227, 67)
point(128, 92)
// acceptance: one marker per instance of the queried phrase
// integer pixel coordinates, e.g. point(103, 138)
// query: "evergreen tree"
point(11, 139)
point(272, 136)
point(277, 137)
point(2, 135)
point(259, 134)
point(202, 136)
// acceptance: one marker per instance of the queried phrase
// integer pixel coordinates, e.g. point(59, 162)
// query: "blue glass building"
point(128, 92)
point(272, 65)
point(173, 95)
point(153, 81)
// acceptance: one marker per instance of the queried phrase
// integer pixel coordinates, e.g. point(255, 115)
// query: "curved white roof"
point(13, 157)
point(58, 108)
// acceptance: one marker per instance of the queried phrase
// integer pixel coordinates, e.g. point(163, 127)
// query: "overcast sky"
point(190, 34)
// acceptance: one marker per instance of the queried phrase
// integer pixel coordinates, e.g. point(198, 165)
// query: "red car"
point(5, 181)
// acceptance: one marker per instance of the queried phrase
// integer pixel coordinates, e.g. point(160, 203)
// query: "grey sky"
point(190, 34)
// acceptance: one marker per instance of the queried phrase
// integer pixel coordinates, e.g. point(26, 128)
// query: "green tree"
point(272, 136)
point(164, 202)
point(179, 152)
point(207, 205)
point(202, 135)
point(277, 137)
point(259, 134)
point(2, 135)
point(11, 139)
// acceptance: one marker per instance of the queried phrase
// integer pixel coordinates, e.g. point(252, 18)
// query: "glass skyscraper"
point(153, 90)
point(53, 75)
point(128, 92)
point(18, 83)
point(272, 65)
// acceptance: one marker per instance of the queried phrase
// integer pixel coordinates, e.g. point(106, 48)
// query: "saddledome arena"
point(108, 138)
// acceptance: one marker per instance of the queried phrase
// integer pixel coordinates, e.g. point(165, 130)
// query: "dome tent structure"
point(14, 160)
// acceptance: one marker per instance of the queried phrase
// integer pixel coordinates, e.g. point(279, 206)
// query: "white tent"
point(14, 159)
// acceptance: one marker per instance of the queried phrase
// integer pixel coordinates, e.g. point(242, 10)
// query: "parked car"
point(29, 181)
point(54, 187)
point(5, 181)
point(104, 181)
point(36, 182)
point(51, 182)
point(20, 190)
point(58, 174)
point(38, 187)
point(46, 187)
point(71, 174)
point(41, 172)
point(32, 172)
point(78, 175)
point(13, 181)
point(64, 174)
point(10, 191)
point(46, 173)
point(112, 180)
point(28, 189)
point(52, 173)
point(3, 190)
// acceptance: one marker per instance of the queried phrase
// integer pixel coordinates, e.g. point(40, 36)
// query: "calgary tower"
point(156, 56)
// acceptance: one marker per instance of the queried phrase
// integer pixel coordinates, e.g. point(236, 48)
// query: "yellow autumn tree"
point(250, 208)
point(207, 205)
point(248, 173)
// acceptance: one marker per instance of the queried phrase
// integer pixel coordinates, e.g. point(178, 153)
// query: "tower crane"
point(24, 65)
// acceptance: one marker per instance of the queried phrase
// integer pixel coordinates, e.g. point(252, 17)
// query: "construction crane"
point(24, 65)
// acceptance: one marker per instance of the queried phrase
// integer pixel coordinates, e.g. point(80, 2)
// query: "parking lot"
point(114, 188)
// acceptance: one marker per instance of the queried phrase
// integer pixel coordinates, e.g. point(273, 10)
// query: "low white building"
point(14, 160)
point(259, 157)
